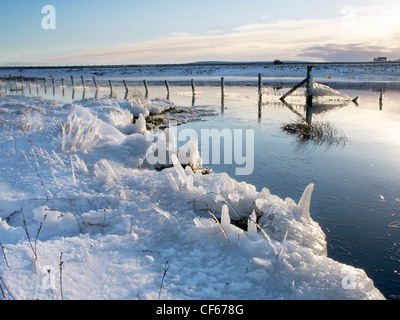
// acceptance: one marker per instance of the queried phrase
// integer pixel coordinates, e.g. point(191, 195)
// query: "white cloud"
point(213, 31)
point(373, 29)
point(180, 34)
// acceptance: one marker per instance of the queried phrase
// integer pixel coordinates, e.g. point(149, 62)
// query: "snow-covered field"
point(103, 224)
point(338, 71)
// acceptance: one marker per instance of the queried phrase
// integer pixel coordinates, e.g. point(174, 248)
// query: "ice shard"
point(225, 218)
point(304, 203)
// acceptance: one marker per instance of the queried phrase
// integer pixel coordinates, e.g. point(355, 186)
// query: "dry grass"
point(320, 133)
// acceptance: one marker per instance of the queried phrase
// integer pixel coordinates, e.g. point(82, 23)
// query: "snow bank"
point(76, 173)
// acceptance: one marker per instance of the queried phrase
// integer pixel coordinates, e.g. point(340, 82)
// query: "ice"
point(304, 203)
point(179, 169)
point(141, 124)
point(189, 154)
point(225, 218)
point(251, 225)
point(117, 222)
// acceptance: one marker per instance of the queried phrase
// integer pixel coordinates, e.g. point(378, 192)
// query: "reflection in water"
point(319, 133)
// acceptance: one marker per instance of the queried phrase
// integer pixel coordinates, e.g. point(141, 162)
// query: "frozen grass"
point(319, 133)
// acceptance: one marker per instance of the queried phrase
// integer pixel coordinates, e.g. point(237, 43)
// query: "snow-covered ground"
point(337, 71)
point(76, 176)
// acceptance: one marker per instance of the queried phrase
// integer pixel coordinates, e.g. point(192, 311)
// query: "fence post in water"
point(167, 86)
point(95, 83)
point(310, 86)
point(381, 100)
point(111, 88)
point(259, 84)
point(222, 95)
point(193, 87)
point(168, 89)
point(146, 88)
point(83, 83)
point(126, 89)
point(54, 85)
point(73, 83)
point(63, 86)
point(23, 85)
point(45, 85)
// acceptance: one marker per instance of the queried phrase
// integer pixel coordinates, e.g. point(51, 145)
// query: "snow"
point(80, 170)
point(332, 71)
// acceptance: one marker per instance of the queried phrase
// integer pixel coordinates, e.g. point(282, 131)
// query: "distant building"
point(381, 59)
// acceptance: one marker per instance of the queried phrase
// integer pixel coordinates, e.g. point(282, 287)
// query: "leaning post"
point(95, 83)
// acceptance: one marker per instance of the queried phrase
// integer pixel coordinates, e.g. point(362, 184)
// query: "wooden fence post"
point(193, 87)
point(54, 85)
point(260, 84)
point(73, 82)
point(95, 83)
point(83, 83)
point(167, 86)
point(168, 89)
point(146, 87)
point(126, 90)
point(63, 86)
point(22, 84)
point(111, 88)
point(310, 86)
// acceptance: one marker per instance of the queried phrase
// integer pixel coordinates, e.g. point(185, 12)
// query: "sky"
point(178, 31)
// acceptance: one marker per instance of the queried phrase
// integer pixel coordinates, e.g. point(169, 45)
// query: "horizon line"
point(197, 63)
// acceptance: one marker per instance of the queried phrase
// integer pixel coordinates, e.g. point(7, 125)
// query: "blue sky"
point(173, 31)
